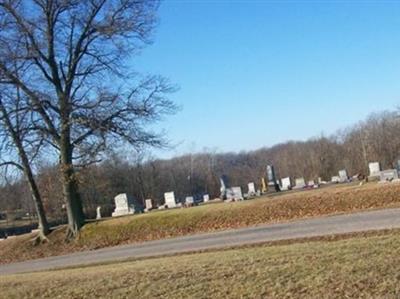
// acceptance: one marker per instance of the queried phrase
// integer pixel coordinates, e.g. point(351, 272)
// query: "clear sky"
point(256, 73)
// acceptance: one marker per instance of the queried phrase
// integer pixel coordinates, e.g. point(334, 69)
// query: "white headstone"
point(234, 193)
point(335, 179)
point(126, 205)
point(169, 198)
point(252, 188)
point(286, 184)
point(98, 212)
point(310, 183)
point(389, 175)
point(149, 204)
point(300, 183)
point(374, 169)
point(206, 197)
point(343, 177)
point(189, 200)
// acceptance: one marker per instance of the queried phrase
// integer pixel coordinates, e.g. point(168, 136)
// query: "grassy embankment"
point(360, 267)
point(213, 217)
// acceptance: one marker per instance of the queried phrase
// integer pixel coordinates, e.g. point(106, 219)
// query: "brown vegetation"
point(363, 266)
point(207, 218)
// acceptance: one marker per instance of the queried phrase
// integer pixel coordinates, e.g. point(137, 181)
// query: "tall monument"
point(271, 177)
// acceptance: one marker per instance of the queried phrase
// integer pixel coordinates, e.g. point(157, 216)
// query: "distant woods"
point(374, 139)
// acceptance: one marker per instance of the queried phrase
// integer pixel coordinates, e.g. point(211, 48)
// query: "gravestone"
point(234, 193)
point(223, 188)
point(252, 189)
point(206, 198)
point(311, 184)
point(189, 200)
point(374, 169)
point(98, 212)
point(271, 178)
point(335, 179)
point(149, 204)
point(264, 188)
point(169, 198)
point(388, 175)
point(299, 183)
point(343, 177)
point(286, 184)
point(126, 205)
point(398, 166)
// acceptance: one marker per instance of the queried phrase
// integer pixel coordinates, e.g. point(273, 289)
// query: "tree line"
point(143, 176)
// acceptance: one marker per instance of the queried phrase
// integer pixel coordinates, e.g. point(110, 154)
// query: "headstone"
point(286, 184)
point(335, 179)
point(206, 198)
point(189, 200)
point(125, 205)
point(272, 181)
point(398, 166)
point(252, 189)
point(389, 175)
point(234, 193)
point(343, 177)
point(169, 198)
point(299, 183)
point(311, 184)
point(149, 204)
point(98, 212)
point(223, 188)
point(374, 169)
point(264, 188)
point(271, 174)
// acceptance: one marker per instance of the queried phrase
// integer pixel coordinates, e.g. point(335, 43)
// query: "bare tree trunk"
point(44, 228)
point(71, 194)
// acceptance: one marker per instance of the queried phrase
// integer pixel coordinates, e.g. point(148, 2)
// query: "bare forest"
point(374, 139)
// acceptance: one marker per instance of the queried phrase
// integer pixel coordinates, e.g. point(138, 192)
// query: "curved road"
point(339, 224)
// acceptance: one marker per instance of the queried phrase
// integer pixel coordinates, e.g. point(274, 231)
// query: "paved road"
point(372, 220)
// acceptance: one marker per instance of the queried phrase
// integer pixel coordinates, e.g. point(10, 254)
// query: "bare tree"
point(16, 135)
point(70, 57)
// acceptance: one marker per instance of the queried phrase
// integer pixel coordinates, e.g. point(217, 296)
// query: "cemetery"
point(214, 215)
point(269, 184)
point(252, 153)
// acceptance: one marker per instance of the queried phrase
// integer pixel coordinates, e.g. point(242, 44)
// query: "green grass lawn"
point(360, 267)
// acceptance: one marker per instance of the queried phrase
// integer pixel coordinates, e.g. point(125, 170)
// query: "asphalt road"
point(372, 220)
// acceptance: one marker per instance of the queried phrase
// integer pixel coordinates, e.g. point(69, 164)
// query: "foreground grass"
point(213, 217)
point(352, 268)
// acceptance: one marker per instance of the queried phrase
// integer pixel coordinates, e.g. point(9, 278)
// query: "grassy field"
point(213, 217)
point(360, 267)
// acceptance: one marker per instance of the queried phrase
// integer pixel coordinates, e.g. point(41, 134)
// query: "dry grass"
point(361, 267)
point(172, 223)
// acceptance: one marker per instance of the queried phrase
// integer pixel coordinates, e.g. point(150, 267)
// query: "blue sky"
point(256, 73)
